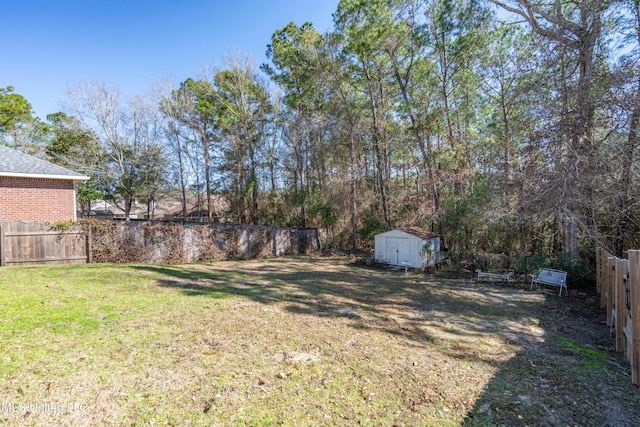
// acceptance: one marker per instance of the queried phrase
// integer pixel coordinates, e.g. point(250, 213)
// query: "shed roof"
point(16, 164)
point(418, 232)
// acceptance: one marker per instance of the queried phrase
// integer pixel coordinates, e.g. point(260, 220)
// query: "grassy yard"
point(299, 341)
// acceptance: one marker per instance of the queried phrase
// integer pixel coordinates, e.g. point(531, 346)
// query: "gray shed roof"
point(17, 164)
point(418, 232)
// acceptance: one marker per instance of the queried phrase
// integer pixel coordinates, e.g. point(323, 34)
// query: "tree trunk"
point(300, 174)
point(128, 201)
point(354, 206)
point(183, 189)
point(376, 138)
point(207, 171)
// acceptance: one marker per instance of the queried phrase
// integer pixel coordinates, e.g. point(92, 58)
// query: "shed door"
point(392, 250)
point(404, 251)
point(397, 250)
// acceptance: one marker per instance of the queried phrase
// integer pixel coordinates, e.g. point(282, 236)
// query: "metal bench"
point(506, 276)
point(550, 277)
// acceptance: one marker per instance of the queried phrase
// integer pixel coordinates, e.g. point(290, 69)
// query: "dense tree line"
point(504, 126)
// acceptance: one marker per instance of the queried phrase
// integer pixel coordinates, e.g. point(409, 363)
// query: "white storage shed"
point(408, 246)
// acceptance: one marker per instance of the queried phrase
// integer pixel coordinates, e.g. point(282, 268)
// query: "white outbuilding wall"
point(398, 247)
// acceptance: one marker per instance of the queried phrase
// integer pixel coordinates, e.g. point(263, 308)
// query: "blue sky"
point(131, 44)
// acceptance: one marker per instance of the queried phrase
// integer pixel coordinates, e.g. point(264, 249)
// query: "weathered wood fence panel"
point(28, 243)
point(619, 286)
point(153, 242)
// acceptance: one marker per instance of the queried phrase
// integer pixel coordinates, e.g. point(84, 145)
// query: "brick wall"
point(36, 199)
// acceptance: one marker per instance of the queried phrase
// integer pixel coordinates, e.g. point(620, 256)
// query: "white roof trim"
point(74, 178)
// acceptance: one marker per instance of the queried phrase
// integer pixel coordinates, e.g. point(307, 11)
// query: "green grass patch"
point(580, 350)
point(587, 357)
point(293, 341)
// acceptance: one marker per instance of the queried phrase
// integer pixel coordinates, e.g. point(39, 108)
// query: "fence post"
point(621, 267)
point(3, 260)
point(89, 242)
point(634, 297)
point(609, 286)
point(602, 276)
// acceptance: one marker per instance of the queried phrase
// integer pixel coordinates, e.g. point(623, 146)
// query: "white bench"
point(506, 276)
point(550, 277)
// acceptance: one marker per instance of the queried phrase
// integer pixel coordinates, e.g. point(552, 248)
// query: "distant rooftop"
point(15, 163)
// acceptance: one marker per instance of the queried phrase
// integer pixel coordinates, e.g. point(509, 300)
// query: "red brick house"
point(32, 189)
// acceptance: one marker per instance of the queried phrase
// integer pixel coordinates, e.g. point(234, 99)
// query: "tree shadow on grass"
point(369, 298)
point(555, 376)
point(571, 375)
point(214, 284)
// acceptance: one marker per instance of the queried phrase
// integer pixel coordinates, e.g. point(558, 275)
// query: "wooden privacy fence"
point(24, 243)
point(618, 282)
point(154, 242)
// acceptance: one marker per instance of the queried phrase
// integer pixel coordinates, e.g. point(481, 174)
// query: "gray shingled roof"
point(13, 163)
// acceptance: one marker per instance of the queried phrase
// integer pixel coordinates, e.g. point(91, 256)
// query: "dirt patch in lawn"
point(324, 341)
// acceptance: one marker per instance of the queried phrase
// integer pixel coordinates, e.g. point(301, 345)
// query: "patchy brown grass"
point(300, 341)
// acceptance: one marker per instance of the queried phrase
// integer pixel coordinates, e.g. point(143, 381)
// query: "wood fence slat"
point(41, 247)
point(634, 277)
point(67, 246)
point(618, 295)
point(2, 247)
point(609, 284)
